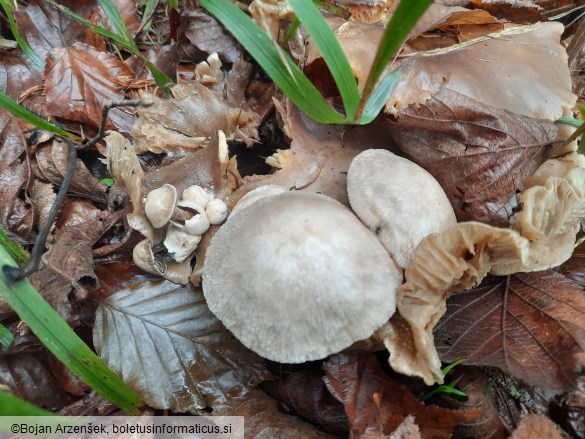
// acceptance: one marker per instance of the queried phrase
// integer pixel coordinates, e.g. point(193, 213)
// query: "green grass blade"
point(403, 20)
point(6, 337)
point(379, 97)
point(116, 19)
point(570, 121)
point(15, 251)
point(26, 115)
point(59, 338)
point(452, 366)
point(281, 69)
point(22, 43)
point(10, 405)
point(331, 52)
point(162, 80)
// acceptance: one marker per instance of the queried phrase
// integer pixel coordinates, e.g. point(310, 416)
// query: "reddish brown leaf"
point(480, 155)
point(16, 214)
point(69, 263)
point(79, 80)
point(306, 394)
point(474, 384)
point(516, 11)
point(18, 73)
point(375, 404)
point(201, 35)
point(91, 405)
point(574, 268)
point(536, 426)
point(265, 418)
point(531, 325)
point(51, 165)
point(576, 52)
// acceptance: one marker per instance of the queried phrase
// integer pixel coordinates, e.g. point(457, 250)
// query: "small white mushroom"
point(160, 205)
point(297, 277)
point(198, 224)
point(196, 194)
point(217, 211)
point(398, 200)
point(145, 260)
point(180, 244)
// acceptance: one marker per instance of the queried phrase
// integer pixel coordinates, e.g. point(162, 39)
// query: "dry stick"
point(13, 274)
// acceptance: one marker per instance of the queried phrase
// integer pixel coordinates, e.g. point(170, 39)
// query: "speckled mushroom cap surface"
point(296, 277)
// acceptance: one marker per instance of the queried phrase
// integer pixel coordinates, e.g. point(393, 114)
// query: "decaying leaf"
point(196, 113)
point(79, 80)
point(376, 405)
point(480, 155)
point(305, 393)
point(51, 163)
point(15, 212)
point(265, 418)
point(530, 325)
point(68, 266)
point(167, 345)
point(536, 426)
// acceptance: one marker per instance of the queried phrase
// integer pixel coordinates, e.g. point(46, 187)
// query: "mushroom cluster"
point(185, 219)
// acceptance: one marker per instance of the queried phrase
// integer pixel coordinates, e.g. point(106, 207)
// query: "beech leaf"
point(530, 325)
point(166, 344)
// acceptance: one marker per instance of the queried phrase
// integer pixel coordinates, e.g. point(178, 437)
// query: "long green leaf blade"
point(287, 76)
point(331, 52)
point(10, 405)
point(15, 251)
point(162, 80)
point(6, 337)
point(22, 43)
point(116, 19)
point(379, 97)
point(403, 20)
point(26, 115)
point(59, 338)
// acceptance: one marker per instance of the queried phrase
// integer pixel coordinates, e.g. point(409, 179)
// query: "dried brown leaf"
point(375, 404)
point(167, 345)
point(516, 11)
point(480, 155)
point(52, 161)
point(67, 275)
point(201, 35)
point(536, 426)
point(306, 394)
point(265, 418)
point(79, 80)
point(530, 325)
point(16, 214)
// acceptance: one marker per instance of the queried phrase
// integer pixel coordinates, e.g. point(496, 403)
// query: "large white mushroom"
point(296, 277)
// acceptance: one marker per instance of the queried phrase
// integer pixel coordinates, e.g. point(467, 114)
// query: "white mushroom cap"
point(258, 193)
point(198, 224)
point(398, 200)
point(217, 211)
point(145, 260)
point(197, 195)
point(160, 204)
point(297, 277)
point(180, 243)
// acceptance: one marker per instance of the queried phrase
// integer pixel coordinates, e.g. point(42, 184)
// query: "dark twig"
point(14, 273)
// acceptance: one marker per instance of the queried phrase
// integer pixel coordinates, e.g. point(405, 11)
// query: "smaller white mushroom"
point(197, 195)
point(180, 243)
point(217, 211)
point(198, 224)
point(145, 260)
point(160, 205)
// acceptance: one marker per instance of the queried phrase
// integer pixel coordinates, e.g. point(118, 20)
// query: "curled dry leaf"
point(67, 275)
point(485, 69)
point(480, 155)
point(195, 114)
point(376, 405)
point(43, 196)
point(516, 11)
point(201, 33)
point(265, 418)
point(530, 325)
point(79, 80)
point(16, 215)
point(51, 163)
point(305, 393)
point(535, 425)
point(167, 345)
